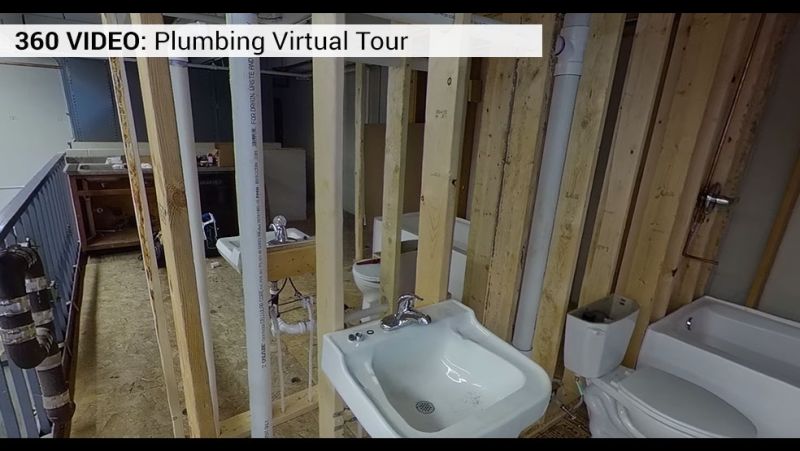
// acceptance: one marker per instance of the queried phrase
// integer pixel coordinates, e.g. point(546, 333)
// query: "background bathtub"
point(748, 358)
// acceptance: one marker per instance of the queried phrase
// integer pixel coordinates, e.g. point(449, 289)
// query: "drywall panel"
point(34, 124)
point(774, 152)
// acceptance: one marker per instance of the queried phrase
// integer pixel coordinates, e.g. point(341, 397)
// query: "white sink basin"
point(450, 378)
point(228, 247)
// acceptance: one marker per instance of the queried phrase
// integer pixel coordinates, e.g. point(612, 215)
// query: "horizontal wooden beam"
point(291, 261)
point(297, 404)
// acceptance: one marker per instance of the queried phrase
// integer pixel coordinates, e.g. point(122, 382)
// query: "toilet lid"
point(683, 405)
point(371, 272)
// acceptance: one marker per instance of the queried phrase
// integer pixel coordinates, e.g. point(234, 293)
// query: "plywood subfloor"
point(119, 389)
point(567, 427)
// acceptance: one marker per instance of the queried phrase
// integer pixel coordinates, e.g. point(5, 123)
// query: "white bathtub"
point(748, 358)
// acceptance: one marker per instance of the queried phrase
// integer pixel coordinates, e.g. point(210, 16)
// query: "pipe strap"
point(56, 401)
point(43, 317)
point(12, 307)
point(37, 284)
point(18, 335)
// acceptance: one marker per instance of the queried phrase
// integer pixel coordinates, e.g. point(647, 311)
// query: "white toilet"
point(644, 402)
point(367, 277)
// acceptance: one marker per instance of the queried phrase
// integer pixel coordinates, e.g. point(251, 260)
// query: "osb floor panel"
point(119, 389)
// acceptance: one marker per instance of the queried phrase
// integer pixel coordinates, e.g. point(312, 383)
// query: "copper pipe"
point(699, 212)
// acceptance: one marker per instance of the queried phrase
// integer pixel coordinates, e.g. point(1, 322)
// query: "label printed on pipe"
point(203, 40)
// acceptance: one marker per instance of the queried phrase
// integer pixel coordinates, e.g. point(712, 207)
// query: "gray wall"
point(775, 150)
point(88, 88)
point(782, 293)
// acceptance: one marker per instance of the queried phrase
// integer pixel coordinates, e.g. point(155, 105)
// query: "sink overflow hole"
point(425, 407)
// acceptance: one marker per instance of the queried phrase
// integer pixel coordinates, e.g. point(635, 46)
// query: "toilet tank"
point(597, 335)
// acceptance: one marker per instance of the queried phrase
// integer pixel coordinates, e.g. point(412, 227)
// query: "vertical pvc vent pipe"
point(571, 45)
point(248, 150)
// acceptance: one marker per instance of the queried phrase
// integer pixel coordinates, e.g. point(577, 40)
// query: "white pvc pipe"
point(572, 43)
point(297, 328)
point(248, 150)
point(183, 117)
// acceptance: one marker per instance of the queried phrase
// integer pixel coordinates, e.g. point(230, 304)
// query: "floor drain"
point(425, 407)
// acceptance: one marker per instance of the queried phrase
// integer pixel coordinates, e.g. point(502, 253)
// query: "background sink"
point(451, 378)
point(228, 247)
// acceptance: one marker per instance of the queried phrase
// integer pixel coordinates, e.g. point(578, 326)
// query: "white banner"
point(200, 40)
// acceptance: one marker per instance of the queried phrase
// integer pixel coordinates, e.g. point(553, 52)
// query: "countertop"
point(98, 167)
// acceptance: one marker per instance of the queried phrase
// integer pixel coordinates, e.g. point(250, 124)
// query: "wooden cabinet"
point(105, 214)
point(104, 209)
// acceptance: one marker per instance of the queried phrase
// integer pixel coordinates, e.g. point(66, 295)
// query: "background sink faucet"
point(279, 226)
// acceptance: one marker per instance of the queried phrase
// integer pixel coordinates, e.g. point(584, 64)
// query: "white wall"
point(34, 124)
point(775, 150)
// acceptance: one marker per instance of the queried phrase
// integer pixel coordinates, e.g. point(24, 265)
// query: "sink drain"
point(425, 407)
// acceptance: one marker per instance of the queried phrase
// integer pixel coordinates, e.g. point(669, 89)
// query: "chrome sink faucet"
point(405, 313)
point(279, 226)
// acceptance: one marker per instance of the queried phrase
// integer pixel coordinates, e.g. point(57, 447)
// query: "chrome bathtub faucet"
point(405, 313)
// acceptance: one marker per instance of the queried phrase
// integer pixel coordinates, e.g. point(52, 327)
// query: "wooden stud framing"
point(637, 108)
point(145, 231)
point(394, 174)
point(788, 204)
point(360, 223)
point(506, 178)
point(328, 150)
point(594, 90)
point(669, 161)
point(444, 132)
point(492, 146)
point(162, 132)
point(739, 42)
point(737, 144)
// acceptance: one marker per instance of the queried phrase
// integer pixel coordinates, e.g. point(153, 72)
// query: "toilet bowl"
point(367, 276)
point(644, 402)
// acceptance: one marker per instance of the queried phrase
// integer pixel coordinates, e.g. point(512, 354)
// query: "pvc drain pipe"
point(571, 45)
point(248, 151)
